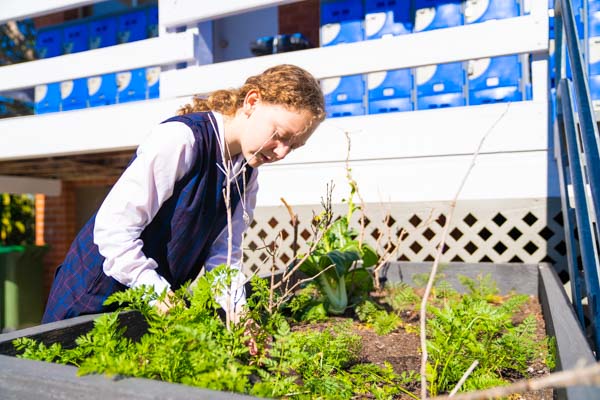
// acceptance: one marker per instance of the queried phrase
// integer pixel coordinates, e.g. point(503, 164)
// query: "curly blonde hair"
point(285, 84)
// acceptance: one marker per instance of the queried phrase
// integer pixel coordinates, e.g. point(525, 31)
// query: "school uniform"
point(164, 219)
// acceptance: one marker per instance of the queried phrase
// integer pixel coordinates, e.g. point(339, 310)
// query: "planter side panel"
point(561, 322)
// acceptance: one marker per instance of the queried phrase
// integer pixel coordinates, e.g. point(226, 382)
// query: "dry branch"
point(438, 255)
point(589, 375)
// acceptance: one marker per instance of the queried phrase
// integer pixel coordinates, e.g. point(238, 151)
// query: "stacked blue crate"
point(441, 85)
point(132, 26)
point(74, 94)
point(495, 80)
point(131, 85)
point(389, 91)
point(593, 49)
point(387, 18)
point(152, 21)
point(47, 98)
point(485, 10)
point(76, 37)
point(437, 14)
point(153, 82)
point(342, 22)
point(102, 90)
point(49, 42)
point(344, 96)
point(103, 32)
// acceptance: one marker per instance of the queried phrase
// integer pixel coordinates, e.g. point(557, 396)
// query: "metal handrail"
point(578, 158)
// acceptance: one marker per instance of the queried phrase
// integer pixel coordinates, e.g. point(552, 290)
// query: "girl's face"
point(271, 131)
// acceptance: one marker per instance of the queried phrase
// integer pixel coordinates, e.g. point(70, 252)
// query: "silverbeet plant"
point(339, 262)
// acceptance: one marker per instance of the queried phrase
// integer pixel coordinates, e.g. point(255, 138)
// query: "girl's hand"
point(251, 329)
point(163, 306)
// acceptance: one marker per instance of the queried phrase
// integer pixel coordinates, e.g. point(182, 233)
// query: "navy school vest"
point(179, 237)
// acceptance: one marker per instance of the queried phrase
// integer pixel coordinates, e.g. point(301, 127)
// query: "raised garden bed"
point(24, 379)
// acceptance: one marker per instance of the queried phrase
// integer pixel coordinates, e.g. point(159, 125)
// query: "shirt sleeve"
point(218, 250)
point(134, 201)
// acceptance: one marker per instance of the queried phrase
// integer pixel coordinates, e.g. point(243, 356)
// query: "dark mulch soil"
point(401, 349)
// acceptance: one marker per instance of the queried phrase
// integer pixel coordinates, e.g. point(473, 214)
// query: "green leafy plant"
point(382, 321)
point(192, 345)
point(339, 261)
point(478, 326)
point(17, 219)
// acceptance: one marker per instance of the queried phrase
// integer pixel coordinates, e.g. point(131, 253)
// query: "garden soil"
point(401, 348)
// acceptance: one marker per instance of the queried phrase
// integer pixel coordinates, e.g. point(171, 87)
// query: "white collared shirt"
point(135, 199)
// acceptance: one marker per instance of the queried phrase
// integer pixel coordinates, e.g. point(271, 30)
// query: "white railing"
point(168, 49)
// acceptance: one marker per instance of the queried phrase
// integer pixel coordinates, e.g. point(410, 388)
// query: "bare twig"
point(440, 248)
point(463, 378)
point(588, 375)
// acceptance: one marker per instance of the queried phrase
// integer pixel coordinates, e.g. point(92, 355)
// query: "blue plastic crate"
point(440, 101)
point(49, 42)
point(390, 84)
point(342, 22)
point(344, 89)
point(437, 14)
point(132, 26)
point(131, 85)
point(438, 79)
point(484, 10)
point(390, 105)
point(102, 90)
point(593, 18)
point(74, 94)
point(333, 11)
point(152, 17)
point(153, 82)
point(387, 18)
point(495, 95)
point(47, 98)
point(103, 32)
point(494, 72)
point(76, 37)
point(344, 110)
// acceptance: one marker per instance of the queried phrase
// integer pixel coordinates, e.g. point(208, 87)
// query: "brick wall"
point(56, 225)
point(301, 17)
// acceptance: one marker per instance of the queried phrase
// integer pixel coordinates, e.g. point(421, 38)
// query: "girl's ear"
point(250, 101)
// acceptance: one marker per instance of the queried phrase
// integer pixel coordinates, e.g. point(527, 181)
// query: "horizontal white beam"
point(21, 9)
point(517, 127)
point(168, 49)
point(494, 176)
point(172, 13)
point(507, 127)
point(19, 184)
point(518, 35)
point(91, 130)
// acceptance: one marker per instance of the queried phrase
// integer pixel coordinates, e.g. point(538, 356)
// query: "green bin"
point(21, 286)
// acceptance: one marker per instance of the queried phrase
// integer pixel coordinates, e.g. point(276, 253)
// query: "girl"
point(167, 215)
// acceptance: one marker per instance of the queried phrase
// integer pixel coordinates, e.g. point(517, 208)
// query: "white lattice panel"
point(520, 231)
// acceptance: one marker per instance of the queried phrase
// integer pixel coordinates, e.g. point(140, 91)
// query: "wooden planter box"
point(26, 379)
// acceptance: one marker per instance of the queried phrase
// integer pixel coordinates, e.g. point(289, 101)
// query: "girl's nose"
point(282, 150)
